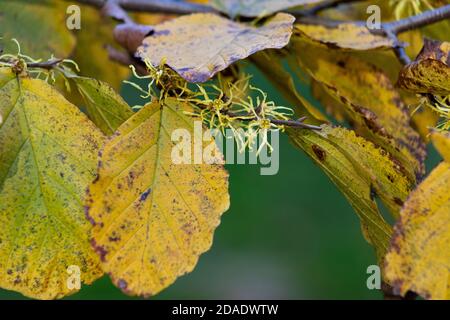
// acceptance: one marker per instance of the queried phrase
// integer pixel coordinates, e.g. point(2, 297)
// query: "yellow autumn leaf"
point(343, 35)
point(257, 8)
point(370, 100)
point(430, 72)
point(200, 45)
point(419, 257)
point(362, 171)
point(48, 151)
point(153, 218)
point(39, 26)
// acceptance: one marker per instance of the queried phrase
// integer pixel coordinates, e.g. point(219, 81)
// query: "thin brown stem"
point(325, 5)
point(421, 20)
point(48, 65)
point(155, 6)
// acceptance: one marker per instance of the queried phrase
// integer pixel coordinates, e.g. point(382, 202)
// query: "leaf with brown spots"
point(200, 45)
point(430, 72)
point(343, 35)
point(153, 218)
point(257, 8)
point(39, 26)
point(419, 257)
point(369, 99)
point(48, 151)
point(362, 171)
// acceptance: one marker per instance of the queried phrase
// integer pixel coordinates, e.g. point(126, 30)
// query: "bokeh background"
point(288, 236)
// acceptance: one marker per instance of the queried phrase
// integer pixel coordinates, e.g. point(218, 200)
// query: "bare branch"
point(155, 6)
point(329, 4)
point(424, 19)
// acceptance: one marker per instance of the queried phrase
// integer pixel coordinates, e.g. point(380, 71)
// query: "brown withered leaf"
point(430, 72)
point(257, 8)
point(343, 35)
point(419, 257)
point(370, 100)
point(200, 45)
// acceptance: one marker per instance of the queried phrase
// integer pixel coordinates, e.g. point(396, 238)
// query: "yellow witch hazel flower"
point(26, 65)
point(163, 82)
point(248, 119)
point(442, 106)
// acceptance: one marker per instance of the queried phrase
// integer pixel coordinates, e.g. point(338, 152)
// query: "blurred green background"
point(288, 236)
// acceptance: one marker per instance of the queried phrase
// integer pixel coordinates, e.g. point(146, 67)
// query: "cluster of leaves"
point(144, 220)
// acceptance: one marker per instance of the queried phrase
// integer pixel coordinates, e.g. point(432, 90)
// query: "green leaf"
point(48, 152)
point(105, 107)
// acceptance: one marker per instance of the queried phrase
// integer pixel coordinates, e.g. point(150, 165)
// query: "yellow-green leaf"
point(153, 218)
point(39, 26)
point(48, 151)
point(343, 35)
point(362, 171)
point(105, 107)
point(200, 45)
point(372, 103)
point(419, 257)
point(257, 8)
point(430, 72)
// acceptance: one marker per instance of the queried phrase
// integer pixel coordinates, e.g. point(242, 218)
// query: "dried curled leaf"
point(153, 218)
point(362, 171)
point(39, 26)
point(343, 35)
point(200, 45)
point(430, 72)
point(48, 152)
point(257, 8)
point(370, 100)
point(419, 257)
